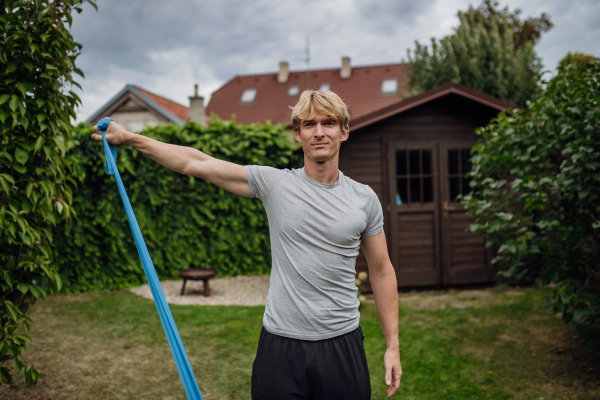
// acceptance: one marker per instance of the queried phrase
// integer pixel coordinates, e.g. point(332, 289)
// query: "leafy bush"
point(536, 179)
point(37, 54)
point(185, 221)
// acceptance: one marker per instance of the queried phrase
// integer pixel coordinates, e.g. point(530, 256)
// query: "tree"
point(536, 182)
point(491, 51)
point(38, 55)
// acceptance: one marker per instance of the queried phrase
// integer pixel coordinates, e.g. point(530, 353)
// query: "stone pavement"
point(439, 299)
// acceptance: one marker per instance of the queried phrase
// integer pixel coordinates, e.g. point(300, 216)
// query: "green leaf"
point(12, 311)
point(34, 291)
point(4, 98)
point(8, 177)
point(596, 224)
point(39, 143)
point(24, 338)
point(13, 103)
point(4, 185)
point(19, 168)
point(21, 155)
point(23, 287)
point(22, 89)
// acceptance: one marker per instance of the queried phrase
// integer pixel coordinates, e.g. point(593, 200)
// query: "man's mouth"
point(319, 145)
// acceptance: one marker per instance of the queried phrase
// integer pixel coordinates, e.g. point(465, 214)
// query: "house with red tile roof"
point(134, 108)
point(258, 98)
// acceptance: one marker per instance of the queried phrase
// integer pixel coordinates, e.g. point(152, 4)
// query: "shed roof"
point(362, 92)
point(435, 93)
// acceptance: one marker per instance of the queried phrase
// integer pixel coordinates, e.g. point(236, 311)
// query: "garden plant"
point(536, 192)
point(38, 55)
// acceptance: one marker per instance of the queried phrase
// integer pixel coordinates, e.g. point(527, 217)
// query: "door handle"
point(447, 208)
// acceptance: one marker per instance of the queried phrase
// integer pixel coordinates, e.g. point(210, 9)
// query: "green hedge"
point(186, 221)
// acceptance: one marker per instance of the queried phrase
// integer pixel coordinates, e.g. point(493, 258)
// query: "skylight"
point(325, 86)
point(389, 86)
point(293, 90)
point(248, 96)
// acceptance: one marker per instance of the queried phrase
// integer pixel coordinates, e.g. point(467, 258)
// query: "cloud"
point(166, 47)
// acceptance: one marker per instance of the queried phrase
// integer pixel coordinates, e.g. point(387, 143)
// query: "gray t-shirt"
point(315, 231)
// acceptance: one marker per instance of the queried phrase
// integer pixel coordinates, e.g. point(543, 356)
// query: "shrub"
point(37, 54)
point(185, 221)
point(536, 179)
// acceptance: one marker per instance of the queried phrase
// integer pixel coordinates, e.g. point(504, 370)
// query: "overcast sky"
point(167, 46)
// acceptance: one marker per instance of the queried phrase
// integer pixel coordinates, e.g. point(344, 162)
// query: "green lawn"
point(112, 346)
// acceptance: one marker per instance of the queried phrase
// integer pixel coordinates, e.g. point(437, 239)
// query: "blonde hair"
point(323, 101)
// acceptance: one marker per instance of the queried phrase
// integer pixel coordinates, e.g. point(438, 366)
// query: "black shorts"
point(330, 369)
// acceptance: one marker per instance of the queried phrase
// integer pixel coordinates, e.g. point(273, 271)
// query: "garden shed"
point(415, 155)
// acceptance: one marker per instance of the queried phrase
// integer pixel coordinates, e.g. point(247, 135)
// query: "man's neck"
point(324, 171)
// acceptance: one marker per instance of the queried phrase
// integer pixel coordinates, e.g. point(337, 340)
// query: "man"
point(311, 344)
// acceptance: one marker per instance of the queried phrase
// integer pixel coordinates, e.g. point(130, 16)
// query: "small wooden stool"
point(198, 274)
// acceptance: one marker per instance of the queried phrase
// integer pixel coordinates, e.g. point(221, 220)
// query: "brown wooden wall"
point(363, 156)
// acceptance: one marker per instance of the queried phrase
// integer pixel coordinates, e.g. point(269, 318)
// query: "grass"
point(112, 346)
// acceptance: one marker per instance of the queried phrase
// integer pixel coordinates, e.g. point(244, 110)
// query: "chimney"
point(346, 69)
point(284, 72)
point(197, 108)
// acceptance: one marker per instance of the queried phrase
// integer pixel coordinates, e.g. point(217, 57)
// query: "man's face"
point(321, 137)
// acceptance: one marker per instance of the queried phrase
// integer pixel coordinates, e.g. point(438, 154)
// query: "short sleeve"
point(374, 215)
point(261, 179)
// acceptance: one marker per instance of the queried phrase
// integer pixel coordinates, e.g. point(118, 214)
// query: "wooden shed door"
point(465, 258)
point(414, 212)
point(428, 239)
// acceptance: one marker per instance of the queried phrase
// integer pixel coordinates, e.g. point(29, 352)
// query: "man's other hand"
point(114, 134)
point(393, 371)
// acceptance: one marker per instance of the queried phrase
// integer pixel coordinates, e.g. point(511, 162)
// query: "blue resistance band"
point(183, 364)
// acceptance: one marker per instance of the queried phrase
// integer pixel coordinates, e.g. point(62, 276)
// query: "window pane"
point(248, 96)
point(465, 157)
point(293, 90)
point(454, 188)
point(453, 162)
point(415, 163)
point(389, 86)
point(427, 190)
point(402, 194)
point(415, 190)
point(401, 162)
point(465, 185)
point(325, 86)
point(426, 162)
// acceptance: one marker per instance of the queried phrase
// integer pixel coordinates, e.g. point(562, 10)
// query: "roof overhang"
point(140, 96)
point(435, 93)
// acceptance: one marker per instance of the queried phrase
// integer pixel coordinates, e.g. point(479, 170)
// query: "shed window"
point(248, 96)
point(325, 86)
point(389, 86)
point(293, 90)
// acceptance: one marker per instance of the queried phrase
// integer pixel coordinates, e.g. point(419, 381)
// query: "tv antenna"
point(307, 59)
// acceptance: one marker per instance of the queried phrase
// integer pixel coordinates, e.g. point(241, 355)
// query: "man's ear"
point(345, 133)
point(297, 135)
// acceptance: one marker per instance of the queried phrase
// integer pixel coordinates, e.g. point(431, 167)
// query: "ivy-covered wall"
point(186, 222)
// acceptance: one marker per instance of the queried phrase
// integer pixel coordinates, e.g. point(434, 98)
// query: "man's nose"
point(319, 131)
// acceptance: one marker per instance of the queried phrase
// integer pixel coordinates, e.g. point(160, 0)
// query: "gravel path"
point(237, 290)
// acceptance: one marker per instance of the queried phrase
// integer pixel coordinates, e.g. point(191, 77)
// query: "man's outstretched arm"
point(385, 289)
point(185, 160)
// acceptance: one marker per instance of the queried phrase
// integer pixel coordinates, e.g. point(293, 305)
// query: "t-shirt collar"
point(321, 184)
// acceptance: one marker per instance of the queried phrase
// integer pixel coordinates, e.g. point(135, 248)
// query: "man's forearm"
point(177, 158)
point(385, 291)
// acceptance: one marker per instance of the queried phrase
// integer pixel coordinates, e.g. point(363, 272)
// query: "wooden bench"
point(198, 274)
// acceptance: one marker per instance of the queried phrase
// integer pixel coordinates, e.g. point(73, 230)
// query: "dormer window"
point(293, 91)
point(325, 86)
point(248, 96)
point(389, 86)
